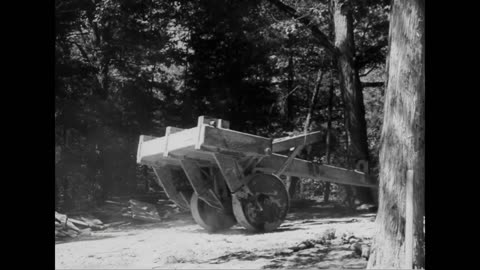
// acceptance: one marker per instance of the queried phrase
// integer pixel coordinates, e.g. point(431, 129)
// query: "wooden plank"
point(307, 169)
point(231, 171)
point(185, 139)
point(61, 218)
point(152, 148)
point(149, 152)
point(168, 131)
point(78, 222)
point(116, 203)
point(159, 161)
point(165, 180)
point(286, 143)
point(71, 226)
point(226, 140)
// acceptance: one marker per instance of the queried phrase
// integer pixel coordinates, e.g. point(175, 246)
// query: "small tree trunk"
point(289, 101)
point(326, 192)
point(292, 188)
point(402, 153)
point(326, 189)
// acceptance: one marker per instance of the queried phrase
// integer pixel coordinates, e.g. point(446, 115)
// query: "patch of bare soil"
point(318, 236)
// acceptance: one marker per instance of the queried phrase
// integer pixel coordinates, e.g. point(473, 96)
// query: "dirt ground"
point(182, 244)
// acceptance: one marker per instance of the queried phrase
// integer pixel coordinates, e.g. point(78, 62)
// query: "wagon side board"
point(168, 131)
point(148, 149)
point(210, 135)
point(232, 142)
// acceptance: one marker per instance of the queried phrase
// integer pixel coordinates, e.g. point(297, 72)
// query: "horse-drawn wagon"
point(225, 176)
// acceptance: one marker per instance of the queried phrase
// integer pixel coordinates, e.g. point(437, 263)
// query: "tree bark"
point(351, 88)
point(292, 188)
point(402, 151)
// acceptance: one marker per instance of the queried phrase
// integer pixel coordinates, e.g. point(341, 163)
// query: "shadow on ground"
point(326, 256)
point(334, 257)
point(302, 214)
point(319, 258)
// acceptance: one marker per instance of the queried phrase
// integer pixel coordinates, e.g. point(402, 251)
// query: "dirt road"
point(182, 244)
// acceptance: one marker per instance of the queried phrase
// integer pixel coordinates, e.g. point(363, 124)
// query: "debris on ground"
point(80, 225)
point(284, 252)
point(144, 211)
point(65, 227)
point(303, 245)
point(328, 234)
point(116, 211)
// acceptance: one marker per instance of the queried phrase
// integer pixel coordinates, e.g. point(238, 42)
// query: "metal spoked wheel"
point(209, 217)
point(266, 208)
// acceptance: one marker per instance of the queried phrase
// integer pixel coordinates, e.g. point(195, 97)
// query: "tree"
point(109, 87)
point(402, 154)
point(351, 87)
point(343, 52)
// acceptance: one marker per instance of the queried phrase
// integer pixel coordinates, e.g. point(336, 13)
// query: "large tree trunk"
point(402, 153)
point(351, 88)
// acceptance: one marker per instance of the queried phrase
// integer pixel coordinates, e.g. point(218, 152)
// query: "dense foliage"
point(131, 67)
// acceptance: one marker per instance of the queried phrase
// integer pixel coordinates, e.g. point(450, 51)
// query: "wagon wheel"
point(266, 208)
point(208, 217)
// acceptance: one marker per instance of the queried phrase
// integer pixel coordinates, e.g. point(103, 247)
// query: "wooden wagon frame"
point(225, 176)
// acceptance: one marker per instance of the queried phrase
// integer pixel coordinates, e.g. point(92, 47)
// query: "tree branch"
point(83, 53)
point(314, 98)
point(317, 33)
point(372, 84)
point(366, 73)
